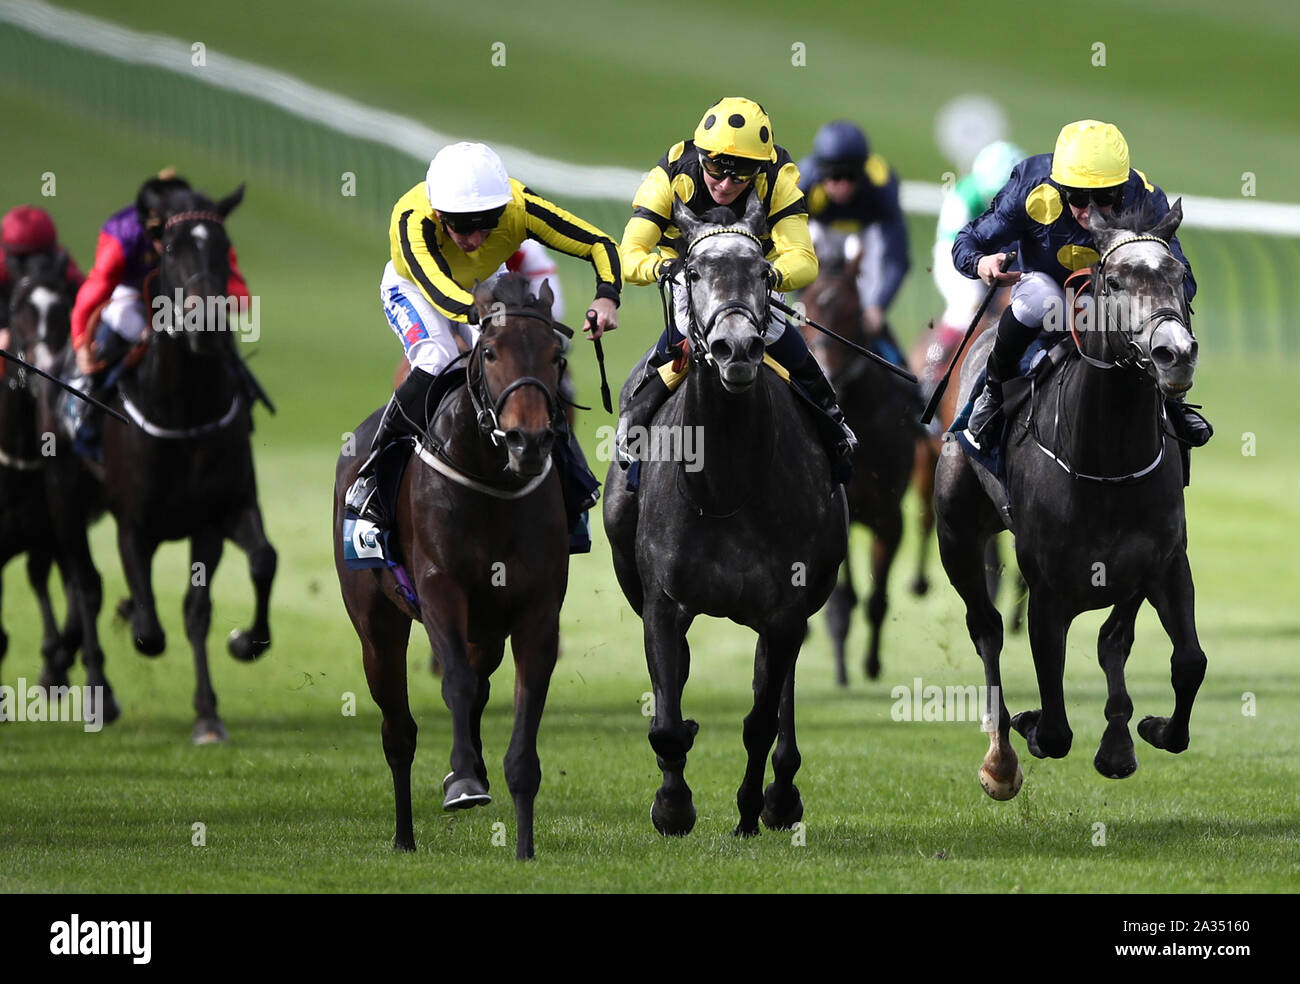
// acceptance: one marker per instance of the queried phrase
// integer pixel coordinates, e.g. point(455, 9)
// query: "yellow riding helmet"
point(1090, 154)
point(738, 127)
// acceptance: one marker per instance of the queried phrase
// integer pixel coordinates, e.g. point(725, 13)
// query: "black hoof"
point(782, 807)
point(56, 678)
point(873, 667)
point(244, 647)
point(112, 710)
point(743, 830)
point(673, 817)
point(464, 794)
point(406, 844)
point(1115, 767)
point(1156, 731)
point(150, 643)
point(1026, 723)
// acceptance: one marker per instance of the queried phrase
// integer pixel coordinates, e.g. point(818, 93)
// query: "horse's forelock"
point(1137, 218)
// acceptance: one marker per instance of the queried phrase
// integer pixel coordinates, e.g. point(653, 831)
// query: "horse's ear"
point(228, 204)
point(685, 221)
point(483, 301)
point(545, 296)
point(1103, 231)
point(755, 217)
point(1167, 226)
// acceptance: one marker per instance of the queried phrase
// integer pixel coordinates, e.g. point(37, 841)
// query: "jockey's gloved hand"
point(668, 268)
point(773, 279)
point(472, 317)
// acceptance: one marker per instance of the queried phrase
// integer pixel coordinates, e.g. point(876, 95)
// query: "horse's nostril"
point(754, 350)
point(516, 441)
point(1163, 356)
point(720, 349)
point(545, 444)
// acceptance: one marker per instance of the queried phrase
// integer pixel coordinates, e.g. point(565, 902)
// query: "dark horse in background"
point(40, 322)
point(879, 408)
point(1096, 504)
point(755, 535)
point(480, 526)
point(184, 468)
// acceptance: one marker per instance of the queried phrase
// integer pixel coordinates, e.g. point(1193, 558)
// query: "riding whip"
point(896, 370)
point(59, 382)
point(984, 306)
point(600, 360)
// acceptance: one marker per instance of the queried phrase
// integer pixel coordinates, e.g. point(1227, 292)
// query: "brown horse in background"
point(878, 407)
point(481, 528)
point(928, 358)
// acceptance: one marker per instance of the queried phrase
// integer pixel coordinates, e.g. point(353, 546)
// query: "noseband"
point(698, 337)
point(488, 410)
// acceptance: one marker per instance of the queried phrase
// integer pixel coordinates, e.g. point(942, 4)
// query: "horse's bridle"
point(488, 410)
point(698, 334)
point(1133, 358)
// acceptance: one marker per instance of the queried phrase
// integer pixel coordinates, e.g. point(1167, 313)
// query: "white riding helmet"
point(467, 177)
point(993, 165)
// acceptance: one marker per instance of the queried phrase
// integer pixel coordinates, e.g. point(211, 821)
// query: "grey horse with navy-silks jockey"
point(755, 533)
point(1094, 495)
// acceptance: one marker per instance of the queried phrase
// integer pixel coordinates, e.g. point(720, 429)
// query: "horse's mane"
point(1136, 218)
point(512, 290)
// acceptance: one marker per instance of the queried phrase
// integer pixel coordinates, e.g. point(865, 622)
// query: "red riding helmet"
point(27, 229)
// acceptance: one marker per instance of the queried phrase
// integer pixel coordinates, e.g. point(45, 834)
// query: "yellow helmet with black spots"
point(1090, 154)
point(737, 127)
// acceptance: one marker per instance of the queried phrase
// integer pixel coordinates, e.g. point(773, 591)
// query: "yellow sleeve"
point(795, 261)
point(417, 257)
point(564, 231)
point(652, 211)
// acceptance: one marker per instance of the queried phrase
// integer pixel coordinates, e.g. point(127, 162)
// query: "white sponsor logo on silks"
point(365, 539)
point(75, 938)
point(40, 704)
point(220, 312)
point(658, 442)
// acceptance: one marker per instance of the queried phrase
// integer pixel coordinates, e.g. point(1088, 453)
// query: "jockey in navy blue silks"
point(851, 190)
point(1043, 210)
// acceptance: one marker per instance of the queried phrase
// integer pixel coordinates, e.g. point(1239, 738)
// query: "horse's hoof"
point(464, 794)
point(1115, 766)
point(921, 586)
point(673, 819)
point(48, 679)
point(150, 643)
point(1155, 731)
point(404, 843)
point(209, 731)
point(1000, 789)
point(782, 807)
point(745, 830)
point(873, 667)
point(112, 710)
point(841, 675)
point(244, 647)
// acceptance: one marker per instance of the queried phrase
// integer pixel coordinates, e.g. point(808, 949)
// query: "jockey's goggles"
point(468, 223)
point(738, 169)
point(1102, 197)
point(842, 171)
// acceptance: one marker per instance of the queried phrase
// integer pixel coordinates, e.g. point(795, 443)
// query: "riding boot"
point(1013, 337)
point(581, 489)
point(85, 421)
point(1189, 426)
point(403, 417)
point(639, 413)
point(840, 441)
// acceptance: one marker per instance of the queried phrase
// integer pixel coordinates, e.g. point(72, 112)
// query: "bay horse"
point(481, 528)
point(755, 535)
point(1096, 504)
point(184, 468)
point(878, 407)
point(40, 321)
